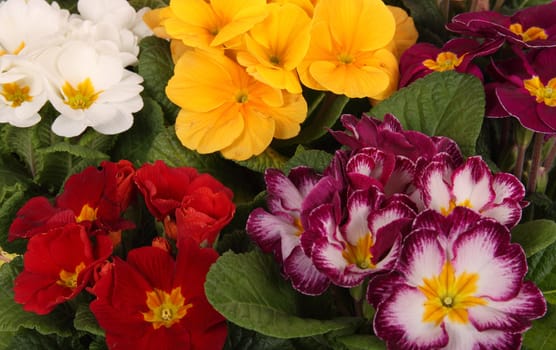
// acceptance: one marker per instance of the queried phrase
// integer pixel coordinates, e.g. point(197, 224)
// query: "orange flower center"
point(165, 309)
point(68, 279)
point(360, 253)
point(450, 296)
point(81, 97)
point(16, 94)
point(444, 61)
point(447, 211)
point(543, 93)
point(87, 214)
point(299, 226)
point(532, 33)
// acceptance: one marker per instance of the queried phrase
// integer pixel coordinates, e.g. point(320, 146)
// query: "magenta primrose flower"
point(279, 230)
point(424, 58)
point(390, 137)
point(458, 285)
point(527, 90)
point(444, 187)
point(359, 238)
point(532, 27)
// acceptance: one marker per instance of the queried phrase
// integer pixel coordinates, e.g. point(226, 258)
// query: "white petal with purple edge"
point(422, 256)
point(398, 320)
point(271, 232)
point(435, 191)
point(465, 337)
point(485, 250)
point(279, 185)
point(507, 213)
point(507, 186)
point(471, 184)
point(304, 275)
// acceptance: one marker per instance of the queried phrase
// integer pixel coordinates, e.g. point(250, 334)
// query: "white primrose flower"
point(22, 91)
point(118, 12)
point(91, 88)
point(28, 25)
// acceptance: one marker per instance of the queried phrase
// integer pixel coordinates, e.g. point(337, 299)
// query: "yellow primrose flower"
point(214, 23)
point(307, 5)
point(347, 54)
point(155, 19)
point(276, 46)
point(406, 34)
point(225, 109)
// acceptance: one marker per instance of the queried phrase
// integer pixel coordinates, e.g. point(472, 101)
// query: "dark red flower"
point(58, 264)
point(151, 301)
point(190, 204)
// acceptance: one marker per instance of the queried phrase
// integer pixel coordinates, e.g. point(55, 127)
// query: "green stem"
point(535, 162)
point(549, 160)
point(518, 169)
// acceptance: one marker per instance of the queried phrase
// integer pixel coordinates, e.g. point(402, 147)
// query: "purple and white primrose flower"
point(458, 285)
point(279, 230)
point(472, 185)
point(350, 241)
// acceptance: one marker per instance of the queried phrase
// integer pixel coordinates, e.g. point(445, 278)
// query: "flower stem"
point(535, 162)
point(518, 169)
point(549, 160)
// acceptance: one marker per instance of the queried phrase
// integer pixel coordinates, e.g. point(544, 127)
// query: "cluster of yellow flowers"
point(241, 64)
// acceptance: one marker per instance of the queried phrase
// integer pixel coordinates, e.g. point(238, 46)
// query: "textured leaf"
point(428, 20)
point(11, 199)
point(542, 263)
point(75, 150)
point(315, 159)
point(26, 339)
point(22, 142)
point(240, 338)
point(449, 104)
point(13, 317)
point(85, 320)
point(534, 236)
point(249, 291)
point(268, 159)
point(360, 342)
point(139, 4)
point(5, 340)
point(134, 144)
point(542, 336)
point(156, 67)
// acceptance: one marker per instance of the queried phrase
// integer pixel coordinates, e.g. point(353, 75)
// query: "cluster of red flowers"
point(155, 297)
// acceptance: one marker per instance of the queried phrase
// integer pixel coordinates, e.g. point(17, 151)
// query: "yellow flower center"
point(543, 94)
point(360, 254)
point(165, 309)
point(16, 51)
point(444, 61)
point(87, 214)
point(242, 97)
point(345, 58)
point(299, 226)
point(449, 296)
point(81, 97)
point(532, 33)
point(16, 94)
point(68, 279)
point(447, 211)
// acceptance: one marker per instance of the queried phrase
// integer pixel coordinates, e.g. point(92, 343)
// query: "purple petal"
point(303, 274)
point(272, 233)
point(283, 192)
point(520, 104)
point(471, 184)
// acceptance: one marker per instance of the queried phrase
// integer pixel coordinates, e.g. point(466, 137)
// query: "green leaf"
point(99, 343)
point(5, 340)
point(11, 199)
point(448, 103)
point(541, 264)
point(534, 236)
point(97, 141)
point(26, 339)
point(75, 150)
point(240, 338)
point(268, 159)
point(428, 19)
point(85, 320)
point(13, 317)
point(156, 67)
point(360, 342)
point(542, 336)
point(318, 122)
point(248, 290)
point(134, 144)
point(315, 159)
point(22, 142)
point(139, 4)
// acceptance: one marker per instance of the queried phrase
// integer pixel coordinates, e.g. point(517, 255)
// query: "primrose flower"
point(213, 24)
point(23, 91)
point(348, 52)
point(458, 285)
point(58, 264)
point(527, 91)
point(280, 229)
point(423, 58)
point(276, 46)
point(26, 25)
point(91, 88)
point(363, 237)
point(531, 27)
point(153, 301)
point(444, 187)
point(225, 109)
point(406, 34)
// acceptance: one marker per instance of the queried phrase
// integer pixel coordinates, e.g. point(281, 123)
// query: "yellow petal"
point(237, 17)
point(155, 19)
point(194, 22)
point(406, 34)
point(255, 138)
point(211, 131)
point(290, 116)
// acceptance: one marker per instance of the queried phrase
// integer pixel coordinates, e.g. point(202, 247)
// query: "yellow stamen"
point(16, 51)
point(449, 295)
point(532, 33)
point(444, 61)
point(16, 94)
point(69, 279)
point(82, 97)
point(543, 94)
point(165, 309)
point(464, 203)
point(88, 213)
point(242, 97)
point(299, 226)
point(360, 254)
